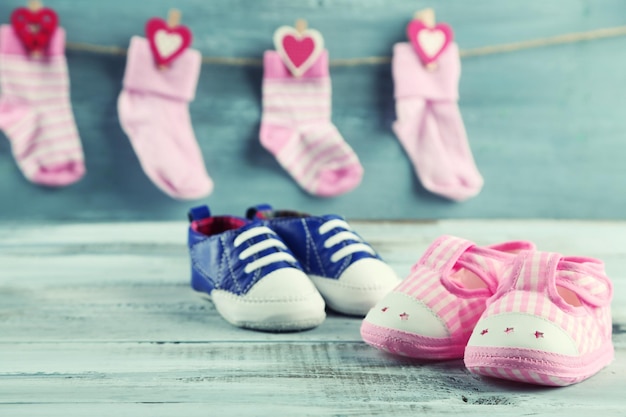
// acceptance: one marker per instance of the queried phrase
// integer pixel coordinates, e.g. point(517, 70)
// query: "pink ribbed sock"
point(297, 130)
point(153, 109)
point(36, 113)
point(429, 125)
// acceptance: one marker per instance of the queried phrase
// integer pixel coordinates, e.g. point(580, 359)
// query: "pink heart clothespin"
point(34, 26)
point(298, 47)
point(168, 40)
point(429, 40)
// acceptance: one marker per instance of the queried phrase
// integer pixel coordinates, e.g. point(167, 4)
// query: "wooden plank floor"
point(98, 320)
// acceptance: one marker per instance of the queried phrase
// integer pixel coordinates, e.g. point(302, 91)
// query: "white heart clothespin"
point(429, 40)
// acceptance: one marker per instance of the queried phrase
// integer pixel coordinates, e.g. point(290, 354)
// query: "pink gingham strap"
point(536, 271)
point(444, 252)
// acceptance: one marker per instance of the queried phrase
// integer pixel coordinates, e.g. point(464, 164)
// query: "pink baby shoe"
point(431, 314)
point(549, 322)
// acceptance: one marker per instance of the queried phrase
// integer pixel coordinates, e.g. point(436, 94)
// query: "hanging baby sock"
point(429, 125)
point(297, 130)
point(36, 113)
point(153, 109)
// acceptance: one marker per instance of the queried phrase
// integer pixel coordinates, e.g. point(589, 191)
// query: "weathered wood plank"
point(153, 305)
point(154, 312)
point(317, 379)
point(409, 409)
point(134, 312)
point(60, 282)
point(545, 125)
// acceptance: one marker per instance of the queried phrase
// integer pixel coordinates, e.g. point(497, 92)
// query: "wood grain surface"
point(545, 125)
point(99, 320)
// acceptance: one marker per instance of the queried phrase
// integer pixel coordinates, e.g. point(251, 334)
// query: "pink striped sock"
point(297, 130)
point(36, 113)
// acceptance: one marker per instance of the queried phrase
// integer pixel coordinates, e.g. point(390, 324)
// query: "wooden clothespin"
point(427, 16)
point(173, 18)
point(34, 6)
point(301, 25)
point(168, 39)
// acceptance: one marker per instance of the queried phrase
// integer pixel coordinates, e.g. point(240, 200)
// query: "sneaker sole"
point(298, 313)
point(353, 301)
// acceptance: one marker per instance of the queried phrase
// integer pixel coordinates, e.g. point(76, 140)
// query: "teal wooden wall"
point(547, 126)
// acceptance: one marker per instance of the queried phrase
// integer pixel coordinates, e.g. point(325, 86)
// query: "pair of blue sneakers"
point(276, 270)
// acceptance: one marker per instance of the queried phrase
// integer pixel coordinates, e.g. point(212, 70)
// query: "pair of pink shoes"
point(510, 311)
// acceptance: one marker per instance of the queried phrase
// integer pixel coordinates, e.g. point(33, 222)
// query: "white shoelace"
point(345, 234)
point(269, 242)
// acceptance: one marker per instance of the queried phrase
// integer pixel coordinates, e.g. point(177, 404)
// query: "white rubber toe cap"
point(523, 331)
point(359, 288)
point(402, 312)
point(283, 300)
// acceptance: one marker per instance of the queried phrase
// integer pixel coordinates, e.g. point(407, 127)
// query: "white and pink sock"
point(429, 124)
point(153, 110)
point(296, 128)
point(36, 112)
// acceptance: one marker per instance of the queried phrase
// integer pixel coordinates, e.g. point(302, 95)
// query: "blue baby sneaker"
point(346, 270)
point(250, 275)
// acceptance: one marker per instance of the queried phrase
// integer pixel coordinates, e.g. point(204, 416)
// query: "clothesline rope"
point(567, 38)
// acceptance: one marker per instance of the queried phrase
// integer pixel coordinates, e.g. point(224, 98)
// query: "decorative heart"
point(167, 43)
point(299, 51)
point(429, 42)
point(34, 28)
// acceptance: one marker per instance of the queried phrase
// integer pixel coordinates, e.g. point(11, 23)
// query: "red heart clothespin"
point(34, 26)
point(298, 47)
point(428, 40)
point(168, 40)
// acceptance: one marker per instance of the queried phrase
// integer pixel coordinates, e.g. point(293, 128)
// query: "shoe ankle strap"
point(444, 252)
point(543, 272)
